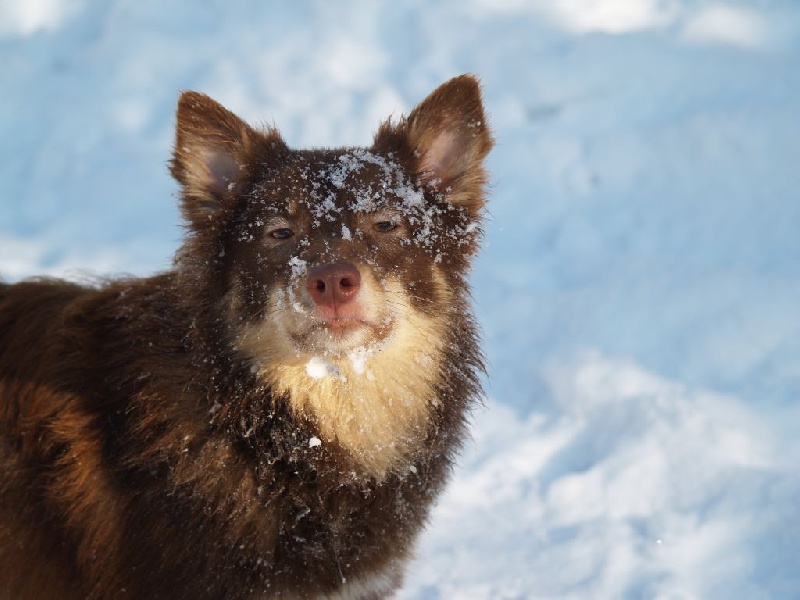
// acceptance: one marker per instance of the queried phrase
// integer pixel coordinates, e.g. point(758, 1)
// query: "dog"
point(276, 414)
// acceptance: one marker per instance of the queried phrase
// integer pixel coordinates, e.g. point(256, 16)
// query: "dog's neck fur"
point(376, 403)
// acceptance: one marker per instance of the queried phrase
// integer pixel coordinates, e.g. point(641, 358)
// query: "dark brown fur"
point(144, 449)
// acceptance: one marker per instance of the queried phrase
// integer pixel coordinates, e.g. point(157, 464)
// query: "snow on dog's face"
point(341, 268)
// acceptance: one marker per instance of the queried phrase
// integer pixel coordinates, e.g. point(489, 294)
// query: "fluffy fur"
point(274, 416)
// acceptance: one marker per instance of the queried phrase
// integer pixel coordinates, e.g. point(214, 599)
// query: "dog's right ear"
point(212, 146)
point(449, 139)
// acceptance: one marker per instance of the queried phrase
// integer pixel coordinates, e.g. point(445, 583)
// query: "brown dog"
point(275, 416)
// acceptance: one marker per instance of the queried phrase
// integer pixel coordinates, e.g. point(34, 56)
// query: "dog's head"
point(339, 274)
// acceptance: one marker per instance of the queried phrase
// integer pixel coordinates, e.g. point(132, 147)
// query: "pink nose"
point(333, 285)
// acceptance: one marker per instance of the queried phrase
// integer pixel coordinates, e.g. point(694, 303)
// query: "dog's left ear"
point(212, 148)
point(449, 139)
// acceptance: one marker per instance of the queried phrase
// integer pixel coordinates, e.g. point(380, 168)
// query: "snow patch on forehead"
point(336, 189)
point(367, 196)
point(355, 160)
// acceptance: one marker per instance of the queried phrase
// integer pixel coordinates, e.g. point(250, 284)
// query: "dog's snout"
point(334, 284)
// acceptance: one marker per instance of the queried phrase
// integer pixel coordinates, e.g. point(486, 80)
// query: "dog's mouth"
point(336, 335)
point(342, 325)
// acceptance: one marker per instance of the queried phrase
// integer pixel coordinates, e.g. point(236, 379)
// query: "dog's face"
point(341, 268)
point(337, 253)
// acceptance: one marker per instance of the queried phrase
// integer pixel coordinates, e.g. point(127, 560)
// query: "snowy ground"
point(640, 288)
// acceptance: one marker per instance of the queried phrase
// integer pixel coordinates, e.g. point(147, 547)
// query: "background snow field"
point(640, 286)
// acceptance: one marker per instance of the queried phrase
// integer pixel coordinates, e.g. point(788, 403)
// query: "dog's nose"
point(333, 284)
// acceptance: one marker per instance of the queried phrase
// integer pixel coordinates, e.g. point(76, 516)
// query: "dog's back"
point(71, 360)
point(32, 559)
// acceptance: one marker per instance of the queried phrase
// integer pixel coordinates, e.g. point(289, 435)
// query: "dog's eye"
point(385, 226)
point(282, 233)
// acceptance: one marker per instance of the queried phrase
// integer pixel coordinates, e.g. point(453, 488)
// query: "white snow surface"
point(639, 289)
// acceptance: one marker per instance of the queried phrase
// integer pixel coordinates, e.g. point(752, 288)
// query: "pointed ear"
point(212, 146)
point(449, 139)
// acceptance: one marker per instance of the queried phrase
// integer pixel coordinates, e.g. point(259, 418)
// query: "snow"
point(727, 25)
point(640, 281)
point(319, 368)
point(358, 359)
point(299, 267)
point(30, 17)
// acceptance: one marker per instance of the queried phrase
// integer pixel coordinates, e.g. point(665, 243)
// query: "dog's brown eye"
point(385, 226)
point(283, 233)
